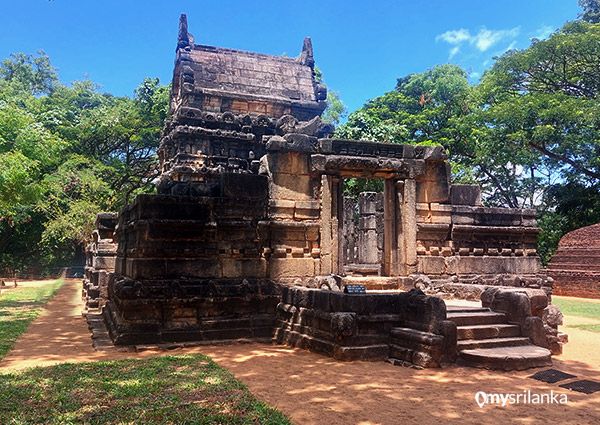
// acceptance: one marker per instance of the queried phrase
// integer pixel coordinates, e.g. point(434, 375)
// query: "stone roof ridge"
point(215, 49)
point(186, 39)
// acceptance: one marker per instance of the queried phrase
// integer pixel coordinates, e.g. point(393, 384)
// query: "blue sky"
point(361, 46)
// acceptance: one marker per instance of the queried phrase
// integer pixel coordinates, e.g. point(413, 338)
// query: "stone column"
point(409, 226)
point(390, 248)
point(326, 240)
point(337, 223)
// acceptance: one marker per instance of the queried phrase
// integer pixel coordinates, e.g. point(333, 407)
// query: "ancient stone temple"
point(575, 267)
point(246, 237)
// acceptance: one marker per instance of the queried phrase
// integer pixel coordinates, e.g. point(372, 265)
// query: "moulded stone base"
point(190, 311)
point(338, 352)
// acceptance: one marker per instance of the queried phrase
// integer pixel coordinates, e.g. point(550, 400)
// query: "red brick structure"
point(575, 267)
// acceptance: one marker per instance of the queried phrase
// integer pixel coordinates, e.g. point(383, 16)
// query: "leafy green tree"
point(34, 74)
point(336, 110)
point(544, 98)
point(419, 109)
point(591, 10)
point(67, 153)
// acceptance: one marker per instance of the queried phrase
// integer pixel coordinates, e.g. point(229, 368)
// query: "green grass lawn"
point(579, 308)
point(572, 307)
point(189, 389)
point(19, 307)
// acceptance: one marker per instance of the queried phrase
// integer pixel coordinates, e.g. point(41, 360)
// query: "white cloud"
point(453, 52)
point(543, 32)
point(481, 41)
point(454, 36)
point(487, 38)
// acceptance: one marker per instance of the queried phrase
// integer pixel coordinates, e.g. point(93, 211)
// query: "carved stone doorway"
point(399, 224)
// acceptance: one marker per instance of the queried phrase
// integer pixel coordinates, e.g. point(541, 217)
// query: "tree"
point(336, 110)
point(124, 134)
point(67, 153)
point(36, 75)
point(551, 90)
point(419, 109)
point(591, 10)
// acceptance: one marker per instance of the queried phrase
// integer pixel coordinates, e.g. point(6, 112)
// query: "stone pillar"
point(409, 226)
point(337, 223)
point(326, 226)
point(390, 248)
point(350, 231)
point(379, 217)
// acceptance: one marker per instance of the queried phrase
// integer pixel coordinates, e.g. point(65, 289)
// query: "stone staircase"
point(486, 339)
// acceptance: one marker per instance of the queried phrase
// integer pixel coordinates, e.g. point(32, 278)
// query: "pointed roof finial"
point(306, 57)
point(184, 38)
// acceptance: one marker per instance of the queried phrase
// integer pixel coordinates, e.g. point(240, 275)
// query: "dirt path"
point(314, 389)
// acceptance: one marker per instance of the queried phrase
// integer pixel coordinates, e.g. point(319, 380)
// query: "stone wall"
point(464, 247)
point(100, 256)
point(408, 327)
point(191, 269)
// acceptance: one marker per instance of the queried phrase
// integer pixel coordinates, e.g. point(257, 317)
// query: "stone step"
point(463, 309)
point(476, 318)
point(488, 331)
point(373, 282)
point(507, 358)
point(470, 344)
point(363, 269)
point(416, 335)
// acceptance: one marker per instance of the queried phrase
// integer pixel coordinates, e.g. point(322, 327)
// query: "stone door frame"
point(400, 227)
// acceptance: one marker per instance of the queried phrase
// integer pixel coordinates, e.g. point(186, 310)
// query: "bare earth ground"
point(314, 389)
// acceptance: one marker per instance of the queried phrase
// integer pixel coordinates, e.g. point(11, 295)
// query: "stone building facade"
point(250, 213)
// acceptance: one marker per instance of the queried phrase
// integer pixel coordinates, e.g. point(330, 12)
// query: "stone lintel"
point(479, 229)
point(357, 166)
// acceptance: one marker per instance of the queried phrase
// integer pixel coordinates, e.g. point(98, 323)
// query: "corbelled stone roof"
point(218, 79)
point(244, 73)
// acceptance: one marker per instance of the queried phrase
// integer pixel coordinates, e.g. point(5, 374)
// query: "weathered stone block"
point(288, 163)
point(307, 210)
point(465, 194)
point(434, 184)
point(244, 268)
point(291, 267)
point(291, 186)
